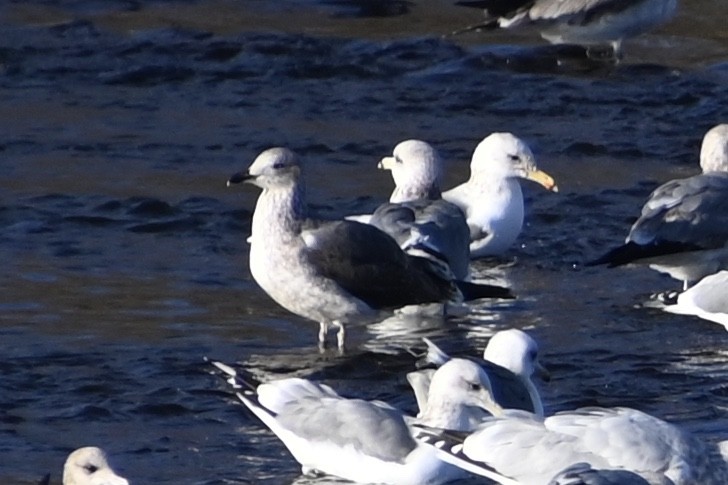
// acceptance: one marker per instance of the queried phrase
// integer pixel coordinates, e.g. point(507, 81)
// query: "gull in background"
point(365, 441)
point(335, 272)
point(492, 199)
point(583, 22)
point(683, 228)
point(416, 216)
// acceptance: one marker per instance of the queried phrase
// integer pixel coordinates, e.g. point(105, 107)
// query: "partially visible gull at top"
point(492, 199)
point(90, 466)
point(510, 360)
point(587, 23)
point(708, 299)
point(365, 441)
point(528, 450)
point(683, 228)
point(335, 272)
point(416, 216)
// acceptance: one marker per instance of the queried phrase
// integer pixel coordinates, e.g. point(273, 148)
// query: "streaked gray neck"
point(280, 212)
point(415, 192)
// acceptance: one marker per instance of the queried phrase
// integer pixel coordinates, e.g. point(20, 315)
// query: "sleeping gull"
point(416, 216)
point(708, 299)
point(683, 228)
point(510, 359)
point(334, 272)
point(89, 466)
point(365, 441)
point(531, 451)
point(492, 199)
point(583, 22)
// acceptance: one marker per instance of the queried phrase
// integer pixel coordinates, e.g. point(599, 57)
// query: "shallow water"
point(125, 255)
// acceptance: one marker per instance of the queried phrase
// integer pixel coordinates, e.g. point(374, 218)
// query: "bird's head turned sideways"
point(506, 155)
point(273, 167)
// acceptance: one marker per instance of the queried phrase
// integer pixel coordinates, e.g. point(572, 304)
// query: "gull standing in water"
point(492, 199)
point(683, 228)
point(416, 216)
point(334, 272)
point(510, 359)
point(527, 450)
point(584, 22)
point(365, 441)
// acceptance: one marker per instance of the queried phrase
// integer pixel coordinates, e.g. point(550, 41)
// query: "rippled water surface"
point(124, 255)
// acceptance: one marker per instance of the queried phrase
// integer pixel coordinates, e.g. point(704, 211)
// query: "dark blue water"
point(124, 254)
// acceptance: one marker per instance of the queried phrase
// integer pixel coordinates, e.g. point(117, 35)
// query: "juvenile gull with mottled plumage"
point(416, 216)
point(334, 272)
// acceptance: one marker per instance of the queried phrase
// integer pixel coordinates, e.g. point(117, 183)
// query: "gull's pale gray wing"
point(370, 265)
point(680, 216)
point(706, 300)
point(584, 474)
point(373, 430)
point(692, 211)
point(435, 225)
point(711, 293)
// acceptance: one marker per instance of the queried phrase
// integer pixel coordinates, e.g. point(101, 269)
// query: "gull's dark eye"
point(474, 387)
point(397, 159)
point(279, 165)
point(514, 158)
point(91, 468)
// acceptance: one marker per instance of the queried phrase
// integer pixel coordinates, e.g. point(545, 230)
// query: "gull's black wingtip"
point(475, 291)
point(633, 252)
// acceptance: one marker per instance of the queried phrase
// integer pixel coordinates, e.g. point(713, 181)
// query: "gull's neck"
point(415, 192)
point(279, 212)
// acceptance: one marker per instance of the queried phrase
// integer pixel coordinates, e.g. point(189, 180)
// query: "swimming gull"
point(90, 466)
point(334, 272)
point(531, 451)
point(708, 299)
point(584, 22)
point(510, 359)
point(492, 199)
point(683, 228)
point(416, 216)
point(364, 441)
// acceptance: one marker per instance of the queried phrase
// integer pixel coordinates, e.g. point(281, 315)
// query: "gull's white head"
point(503, 155)
point(462, 382)
point(89, 466)
point(516, 351)
point(714, 151)
point(275, 167)
point(416, 169)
